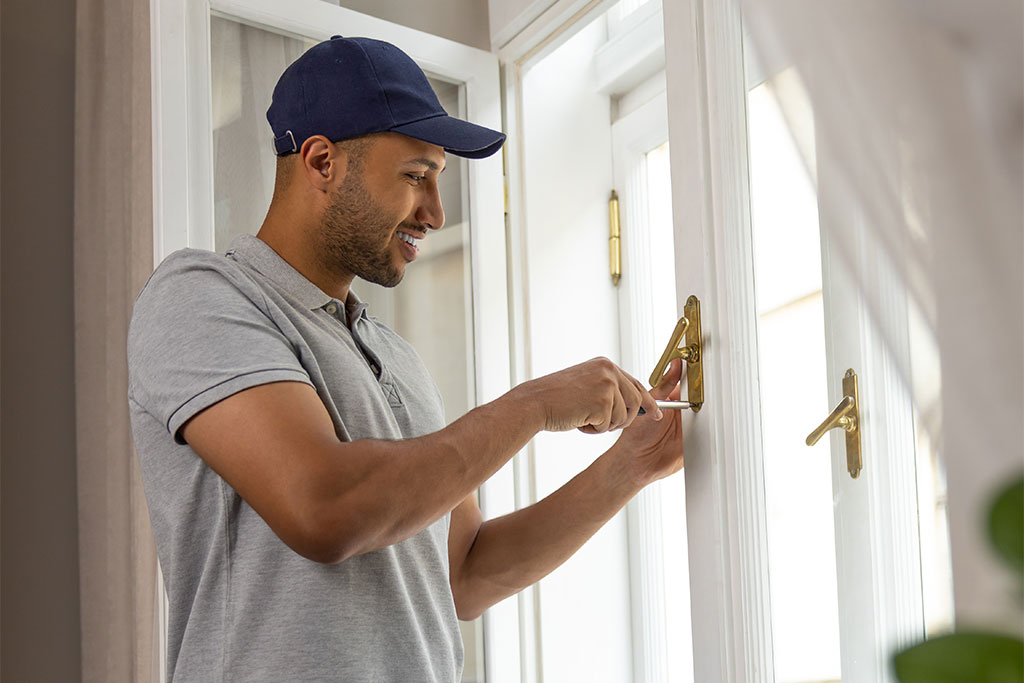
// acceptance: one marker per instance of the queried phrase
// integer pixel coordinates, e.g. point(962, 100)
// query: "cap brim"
point(458, 137)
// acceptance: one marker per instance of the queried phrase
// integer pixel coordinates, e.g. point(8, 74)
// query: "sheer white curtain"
point(919, 115)
point(246, 63)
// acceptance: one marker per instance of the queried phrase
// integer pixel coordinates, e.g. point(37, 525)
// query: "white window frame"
point(726, 515)
point(183, 214)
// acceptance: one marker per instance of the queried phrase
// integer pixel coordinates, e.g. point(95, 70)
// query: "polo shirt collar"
point(258, 255)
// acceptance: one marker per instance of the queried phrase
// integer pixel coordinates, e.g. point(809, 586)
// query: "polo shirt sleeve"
point(201, 331)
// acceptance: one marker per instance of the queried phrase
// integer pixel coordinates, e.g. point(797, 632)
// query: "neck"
point(290, 231)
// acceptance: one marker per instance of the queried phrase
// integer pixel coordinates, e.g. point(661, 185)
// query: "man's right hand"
point(595, 396)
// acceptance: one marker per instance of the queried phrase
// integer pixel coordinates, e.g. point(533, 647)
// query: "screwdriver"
point(669, 405)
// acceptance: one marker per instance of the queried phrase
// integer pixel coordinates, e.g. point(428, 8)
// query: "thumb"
point(669, 381)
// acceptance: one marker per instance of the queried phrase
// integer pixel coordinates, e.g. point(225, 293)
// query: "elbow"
point(468, 604)
point(465, 614)
point(320, 548)
point(321, 553)
point(327, 536)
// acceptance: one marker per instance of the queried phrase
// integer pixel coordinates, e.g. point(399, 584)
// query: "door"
point(216, 64)
point(801, 570)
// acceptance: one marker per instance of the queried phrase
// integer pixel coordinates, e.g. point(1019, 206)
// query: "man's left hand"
point(655, 447)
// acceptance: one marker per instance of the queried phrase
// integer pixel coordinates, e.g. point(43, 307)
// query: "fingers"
point(598, 396)
point(615, 412)
point(635, 397)
point(621, 404)
point(619, 415)
point(647, 401)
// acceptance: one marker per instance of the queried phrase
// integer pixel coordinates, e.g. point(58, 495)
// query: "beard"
point(356, 235)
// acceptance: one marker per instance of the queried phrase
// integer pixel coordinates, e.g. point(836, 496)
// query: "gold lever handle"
point(685, 343)
point(846, 416)
point(838, 418)
point(673, 351)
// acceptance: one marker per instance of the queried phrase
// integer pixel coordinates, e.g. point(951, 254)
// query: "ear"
point(323, 164)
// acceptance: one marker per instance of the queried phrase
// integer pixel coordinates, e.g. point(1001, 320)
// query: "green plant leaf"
point(1006, 524)
point(963, 658)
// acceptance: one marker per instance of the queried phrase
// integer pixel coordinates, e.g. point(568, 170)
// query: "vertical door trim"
point(726, 517)
point(182, 151)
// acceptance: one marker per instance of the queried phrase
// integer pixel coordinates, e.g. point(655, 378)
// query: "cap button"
point(335, 37)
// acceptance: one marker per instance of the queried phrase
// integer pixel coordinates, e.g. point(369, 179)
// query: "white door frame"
point(726, 519)
point(183, 188)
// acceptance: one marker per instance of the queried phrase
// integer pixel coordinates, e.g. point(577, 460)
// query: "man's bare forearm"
point(517, 550)
point(425, 477)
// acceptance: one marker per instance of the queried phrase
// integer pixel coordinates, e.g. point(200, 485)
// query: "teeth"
point(408, 238)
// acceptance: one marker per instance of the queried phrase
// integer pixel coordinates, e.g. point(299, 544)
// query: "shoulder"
point(188, 290)
point(192, 268)
point(193, 277)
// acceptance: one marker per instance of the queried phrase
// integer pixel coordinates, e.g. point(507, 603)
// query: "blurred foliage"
point(963, 658)
point(975, 657)
point(1006, 525)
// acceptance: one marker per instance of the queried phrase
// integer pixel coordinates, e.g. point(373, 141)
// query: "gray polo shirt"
point(244, 606)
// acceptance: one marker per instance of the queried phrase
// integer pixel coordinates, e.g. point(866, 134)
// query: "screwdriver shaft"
point(669, 405)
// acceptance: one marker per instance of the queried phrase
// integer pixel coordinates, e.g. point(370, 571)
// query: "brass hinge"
point(614, 239)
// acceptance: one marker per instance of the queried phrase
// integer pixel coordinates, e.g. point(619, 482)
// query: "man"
point(314, 517)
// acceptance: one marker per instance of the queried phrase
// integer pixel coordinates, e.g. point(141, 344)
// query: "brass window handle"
point(838, 418)
point(685, 343)
point(845, 416)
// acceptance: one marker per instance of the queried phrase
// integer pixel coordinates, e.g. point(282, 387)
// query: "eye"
point(415, 178)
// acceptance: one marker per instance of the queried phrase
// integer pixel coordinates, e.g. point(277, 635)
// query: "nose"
point(430, 213)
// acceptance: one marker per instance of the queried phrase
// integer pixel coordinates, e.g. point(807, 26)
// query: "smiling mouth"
point(409, 239)
point(410, 246)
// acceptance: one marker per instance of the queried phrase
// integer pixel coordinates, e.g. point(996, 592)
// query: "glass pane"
point(798, 479)
point(246, 63)
point(671, 492)
point(432, 308)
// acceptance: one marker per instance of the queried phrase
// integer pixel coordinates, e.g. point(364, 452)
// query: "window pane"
point(246, 63)
point(798, 479)
point(671, 492)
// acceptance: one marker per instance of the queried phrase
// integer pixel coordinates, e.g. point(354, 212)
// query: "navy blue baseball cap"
point(346, 87)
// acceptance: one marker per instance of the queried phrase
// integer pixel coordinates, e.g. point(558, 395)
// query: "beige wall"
point(506, 18)
point(41, 638)
point(38, 505)
point(464, 21)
